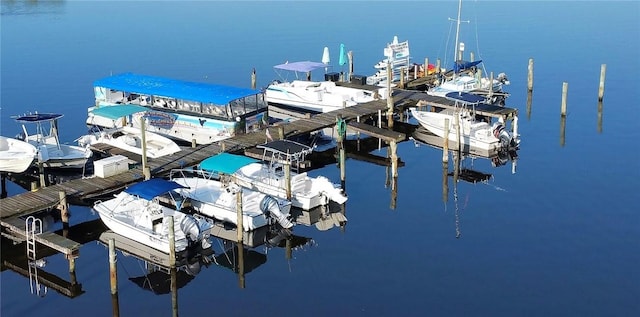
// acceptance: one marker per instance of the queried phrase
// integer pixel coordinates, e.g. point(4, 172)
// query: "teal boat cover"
point(173, 88)
point(225, 163)
point(119, 111)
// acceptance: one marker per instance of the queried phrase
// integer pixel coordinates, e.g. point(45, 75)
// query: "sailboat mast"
point(455, 50)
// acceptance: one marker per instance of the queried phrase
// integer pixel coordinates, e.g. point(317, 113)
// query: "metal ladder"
point(33, 227)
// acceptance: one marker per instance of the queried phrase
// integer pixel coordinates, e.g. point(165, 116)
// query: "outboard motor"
point(271, 208)
point(189, 226)
point(500, 133)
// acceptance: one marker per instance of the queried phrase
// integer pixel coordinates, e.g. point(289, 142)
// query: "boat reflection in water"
point(157, 276)
point(464, 170)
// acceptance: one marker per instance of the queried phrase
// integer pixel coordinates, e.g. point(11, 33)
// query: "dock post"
point(563, 106)
point(563, 124)
point(43, 181)
point(341, 127)
point(445, 181)
point(529, 100)
point(64, 211)
point(145, 168)
point(253, 79)
point(426, 67)
point(281, 132)
point(402, 71)
point(287, 179)
point(438, 69)
point(603, 70)
point(113, 277)
point(457, 124)
point(239, 222)
point(193, 143)
point(223, 146)
point(490, 84)
point(445, 142)
point(394, 158)
point(241, 279)
point(472, 57)
point(172, 242)
point(34, 186)
point(530, 76)
point(350, 58)
point(72, 270)
point(288, 250)
point(415, 71)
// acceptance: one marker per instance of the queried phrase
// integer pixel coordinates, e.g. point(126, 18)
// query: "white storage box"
point(110, 166)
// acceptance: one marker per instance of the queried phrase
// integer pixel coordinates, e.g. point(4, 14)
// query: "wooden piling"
point(445, 142)
point(471, 57)
point(239, 222)
point(563, 106)
point(563, 124)
point(43, 181)
point(603, 70)
point(529, 101)
point(145, 167)
point(438, 69)
point(3, 184)
point(64, 210)
point(530, 75)
point(599, 116)
point(223, 146)
point(113, 278)
point(445, 181)
point(402, 71)
point(287, 179)
point(457, 124)
point(389, 93)
point(172, 243)
point(281, 132)
point(34, 186)
point(350, 58)
point(193, 143)
point(253, 79)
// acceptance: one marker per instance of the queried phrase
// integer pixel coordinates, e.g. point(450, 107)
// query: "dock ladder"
point(33, 227)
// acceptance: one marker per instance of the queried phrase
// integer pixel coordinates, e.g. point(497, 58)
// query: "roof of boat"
point(174, 88)
point(37, 117)
point(152, 188)
point(286, 147)
point(465, 97)
point(119, 111)
point(305, 66)
point(226, 163)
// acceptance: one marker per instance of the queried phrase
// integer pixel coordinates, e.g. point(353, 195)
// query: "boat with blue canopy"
point(183, 110)
point(141, 213)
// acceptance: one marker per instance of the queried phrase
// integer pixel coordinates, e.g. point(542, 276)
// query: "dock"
point(13, 209)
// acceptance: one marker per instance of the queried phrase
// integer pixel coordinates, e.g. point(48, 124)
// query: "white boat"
point(211, 194)
point(181, 110)
point(461, 82)
point(128, 137)
point(397, 56)
point(141, 213)
point(474, 134)
point(51, 152)
point(269, 177)
point(314, 96)
point(15, 155)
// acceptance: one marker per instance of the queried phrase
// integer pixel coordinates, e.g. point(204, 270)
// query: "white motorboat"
point(314, 96)
point(474, 134)
point(212, 194)
point(128, 137)
point(141, 213)
point(306, 192)
point(15, 155)
point(51, 152)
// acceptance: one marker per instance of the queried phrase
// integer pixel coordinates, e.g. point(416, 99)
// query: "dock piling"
point(172, 243)
point(603, 70)
point(599, 116)
point(239, 222)
point(445, 181)
point(530, 75)
point(253, 79)
point(113, 278)
point(64, 210)
point(145, 168)
point(241, 279)
point(445, 142)
point(563, 105)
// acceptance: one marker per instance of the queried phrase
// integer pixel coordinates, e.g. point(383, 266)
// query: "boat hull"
point(15, 155)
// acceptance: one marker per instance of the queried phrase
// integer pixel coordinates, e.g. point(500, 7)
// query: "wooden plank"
point(387, 135)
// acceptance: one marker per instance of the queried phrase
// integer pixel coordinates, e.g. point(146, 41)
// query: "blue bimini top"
point(173, 88)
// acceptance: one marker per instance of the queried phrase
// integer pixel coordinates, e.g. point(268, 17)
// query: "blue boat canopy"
point(119, 111)
point(173, 88)
point(465, 97)
point(152, 188)
point(305, 66)
point(462, 65)
point(225, 163)
point(38, 117)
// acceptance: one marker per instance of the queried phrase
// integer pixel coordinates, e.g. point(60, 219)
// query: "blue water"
point(559, 237)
